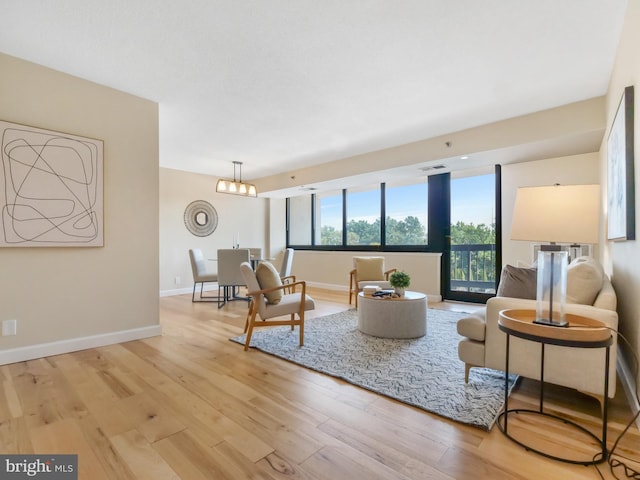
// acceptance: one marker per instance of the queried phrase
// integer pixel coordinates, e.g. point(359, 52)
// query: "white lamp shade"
point(557, 214)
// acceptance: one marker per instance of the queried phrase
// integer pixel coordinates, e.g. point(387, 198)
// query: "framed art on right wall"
point(620, 176)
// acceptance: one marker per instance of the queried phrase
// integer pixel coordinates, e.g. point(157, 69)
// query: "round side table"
point(582, 332)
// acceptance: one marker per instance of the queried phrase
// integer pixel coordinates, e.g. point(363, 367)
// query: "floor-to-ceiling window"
point(473, 252)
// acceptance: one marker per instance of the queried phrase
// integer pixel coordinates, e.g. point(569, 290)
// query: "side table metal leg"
point(605, 406)
point(506, 385)
point(542, 378)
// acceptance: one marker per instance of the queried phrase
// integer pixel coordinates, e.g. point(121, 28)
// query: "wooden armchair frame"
point(289, 281)
point(353, 283)
point(297, 307)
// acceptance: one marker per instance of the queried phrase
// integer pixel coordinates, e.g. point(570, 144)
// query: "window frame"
point(437, 217)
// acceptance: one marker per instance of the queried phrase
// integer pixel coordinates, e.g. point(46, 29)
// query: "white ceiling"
point(283, 84)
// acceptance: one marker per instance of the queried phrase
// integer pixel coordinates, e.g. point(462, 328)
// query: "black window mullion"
point(287, 222)
point(313, 219)
point(383, 216)
point(344, 217)
point(498, 223)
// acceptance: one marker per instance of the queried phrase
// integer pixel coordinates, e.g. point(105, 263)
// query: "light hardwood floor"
point(193, 405)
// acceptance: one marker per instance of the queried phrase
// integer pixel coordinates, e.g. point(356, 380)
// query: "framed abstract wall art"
point(51, 188)
point(620, 172)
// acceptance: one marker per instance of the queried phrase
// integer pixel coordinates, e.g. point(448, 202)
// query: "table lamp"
point(555, 214)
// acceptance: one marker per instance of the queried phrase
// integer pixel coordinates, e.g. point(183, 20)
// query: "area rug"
point(423, 372)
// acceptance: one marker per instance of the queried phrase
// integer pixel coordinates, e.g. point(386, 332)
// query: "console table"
point(582, 332)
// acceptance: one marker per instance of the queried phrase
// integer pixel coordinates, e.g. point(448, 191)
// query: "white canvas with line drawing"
point(51, 188)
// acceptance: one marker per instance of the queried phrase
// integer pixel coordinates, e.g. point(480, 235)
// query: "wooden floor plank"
point(141, 458)
point(153, 419)
point(14, 436)
point(66, 437)
point(388, 453)
point(101, 445)
point(188, 457)
point(350, 462)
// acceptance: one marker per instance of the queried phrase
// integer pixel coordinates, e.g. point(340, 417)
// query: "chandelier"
point(236, 186)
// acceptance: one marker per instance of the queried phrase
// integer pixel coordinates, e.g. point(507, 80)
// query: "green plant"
point(399, 279)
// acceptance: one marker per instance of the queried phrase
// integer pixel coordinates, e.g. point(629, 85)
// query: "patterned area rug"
point(423, 372)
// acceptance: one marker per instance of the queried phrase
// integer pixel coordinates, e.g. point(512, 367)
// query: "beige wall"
point(277, 238)
point(246, 217)
point(573, 170)
point(69, 298)
point(622, 259)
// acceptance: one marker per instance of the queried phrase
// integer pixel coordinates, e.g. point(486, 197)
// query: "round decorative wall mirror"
point(200, 218)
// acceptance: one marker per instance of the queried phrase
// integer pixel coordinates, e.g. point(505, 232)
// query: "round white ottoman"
point(404, 317)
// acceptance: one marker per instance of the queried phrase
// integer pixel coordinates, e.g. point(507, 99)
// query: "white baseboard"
point(175, 291)
point(628, 382)
point(344, 288)
point(325, 286)
point(329, 286)
point(189, 290)
point(31, 352)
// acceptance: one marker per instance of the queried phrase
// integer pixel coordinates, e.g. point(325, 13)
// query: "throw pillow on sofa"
point(584, 280)
point(518, 282)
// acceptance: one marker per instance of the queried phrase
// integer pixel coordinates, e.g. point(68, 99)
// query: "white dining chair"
point(201, 276)
point(229, 276)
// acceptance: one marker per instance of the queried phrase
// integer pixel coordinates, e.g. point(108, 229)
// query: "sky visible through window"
point(472, 201)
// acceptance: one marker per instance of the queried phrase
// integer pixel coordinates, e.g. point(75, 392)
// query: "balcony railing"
point(473, 268)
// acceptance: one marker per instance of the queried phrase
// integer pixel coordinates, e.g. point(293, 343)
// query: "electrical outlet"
point(178, 280)
point(9, 327)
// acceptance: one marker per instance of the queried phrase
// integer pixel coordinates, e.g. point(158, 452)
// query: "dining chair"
point(285, 267)
point(367, 271)
point(287, 262)
point(229, 276)
point(269, 285)
point(256, 256)
point(201, 276)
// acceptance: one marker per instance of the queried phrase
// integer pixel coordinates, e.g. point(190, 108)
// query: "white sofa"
point(589, 293)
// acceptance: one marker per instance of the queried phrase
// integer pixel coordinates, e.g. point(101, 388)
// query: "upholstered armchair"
point(269, 300)
point(367, 271)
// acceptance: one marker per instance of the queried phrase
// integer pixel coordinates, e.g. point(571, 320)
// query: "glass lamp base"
point(551, 293)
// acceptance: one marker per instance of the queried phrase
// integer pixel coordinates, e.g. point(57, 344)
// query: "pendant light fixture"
point(236, 186)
